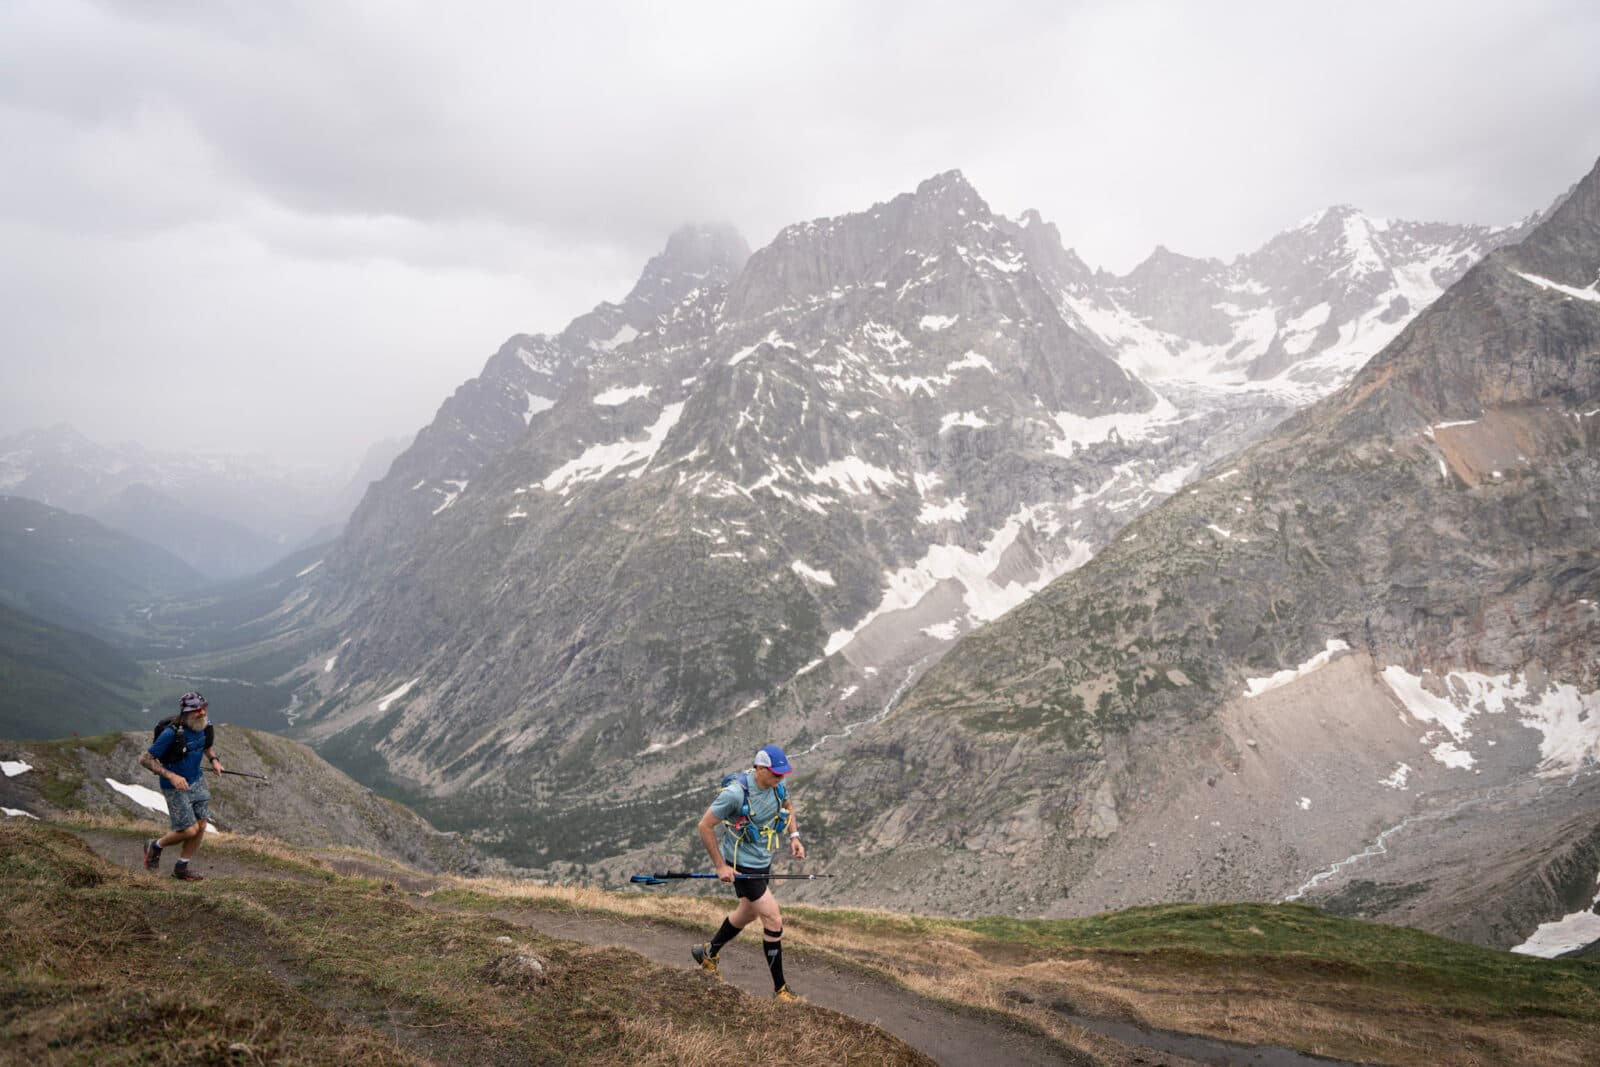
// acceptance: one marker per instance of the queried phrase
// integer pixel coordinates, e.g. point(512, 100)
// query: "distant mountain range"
point(80, 573)
point(225, 516)
point(758, 497)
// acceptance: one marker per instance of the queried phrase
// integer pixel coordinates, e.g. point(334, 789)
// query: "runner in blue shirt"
point(176, 757)
point(746, 849)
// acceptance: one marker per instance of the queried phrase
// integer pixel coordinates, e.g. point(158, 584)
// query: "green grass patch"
point(1295, 939)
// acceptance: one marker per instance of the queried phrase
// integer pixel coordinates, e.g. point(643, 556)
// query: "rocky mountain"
point(374, 465)
point(224, 516)
point(1297, 317)
point(1360, 665)
point(757, 497)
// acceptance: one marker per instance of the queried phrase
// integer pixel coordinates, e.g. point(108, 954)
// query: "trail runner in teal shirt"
point(751, 853)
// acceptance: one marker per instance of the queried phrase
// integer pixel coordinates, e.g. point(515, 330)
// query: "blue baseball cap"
point(772, 758)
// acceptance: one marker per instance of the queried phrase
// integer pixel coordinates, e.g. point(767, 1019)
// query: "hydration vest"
point(743, 828)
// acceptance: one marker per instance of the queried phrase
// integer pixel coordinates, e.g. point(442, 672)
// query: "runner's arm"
point(708, 837)
point(796, 846)
point(216, 764)
point(147, 760)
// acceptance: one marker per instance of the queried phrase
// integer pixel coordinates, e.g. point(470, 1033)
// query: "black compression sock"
point(725, 933)
point(774, 950)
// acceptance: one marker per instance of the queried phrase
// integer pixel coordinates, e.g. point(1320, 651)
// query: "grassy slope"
point(54, 681)
point(1285, 975)
point(99, 966)
point(341, 969)
point(79, 573)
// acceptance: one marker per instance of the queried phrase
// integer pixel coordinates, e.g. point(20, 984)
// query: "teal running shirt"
point(764, 807)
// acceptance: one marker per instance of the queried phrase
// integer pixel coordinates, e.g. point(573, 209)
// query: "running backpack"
point(179, 745)
point(742, 828)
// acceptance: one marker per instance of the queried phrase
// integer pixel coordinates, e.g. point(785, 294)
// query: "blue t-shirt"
point(187, 764)
point(764, 807)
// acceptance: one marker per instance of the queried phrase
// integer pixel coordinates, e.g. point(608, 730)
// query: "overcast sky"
point(292, 228)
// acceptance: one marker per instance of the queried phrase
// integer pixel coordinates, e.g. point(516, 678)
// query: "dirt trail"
point(950, 1036)
point(947, 1035)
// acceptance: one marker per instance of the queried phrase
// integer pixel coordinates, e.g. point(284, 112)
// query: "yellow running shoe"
point(702, 955)
point(784, 994)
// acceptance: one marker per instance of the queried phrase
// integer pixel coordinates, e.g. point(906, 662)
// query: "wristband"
point(794, 835)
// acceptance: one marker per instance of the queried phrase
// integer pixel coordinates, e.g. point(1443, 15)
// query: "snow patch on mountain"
point(1568, 721)
point(1357, 242)
point(1254, 687)
point(1398, 780)
point(621, 395)
point(1591, 293)
point(1078, 430)
point(970, 419)
point(597, 461)
point(1577, 930)
point(804, 570)
point(450, 495)
point(395, 694)
point(536, 404)
point(1142, 349)
point(1358, 341)
point(950, 511)
point(971, 360)
point(854, 475)
point(983, 597)
point(624, 334)
point(772, 338)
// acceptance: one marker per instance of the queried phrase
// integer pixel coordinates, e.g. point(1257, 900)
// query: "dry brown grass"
point(1328, 1009)
point(1324, 1013)
point(99, 965)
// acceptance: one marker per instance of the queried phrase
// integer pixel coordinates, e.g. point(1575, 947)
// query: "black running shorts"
point(751, 888)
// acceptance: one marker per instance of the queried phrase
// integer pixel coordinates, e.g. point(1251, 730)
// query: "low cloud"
point(326, 215)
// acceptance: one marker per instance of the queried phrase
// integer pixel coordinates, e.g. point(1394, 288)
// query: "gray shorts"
point(186, 807)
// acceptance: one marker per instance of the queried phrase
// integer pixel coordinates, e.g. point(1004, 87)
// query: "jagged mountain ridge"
point(1294, 319)
point(811, 455)
point(1387, 615)
point(875, 433)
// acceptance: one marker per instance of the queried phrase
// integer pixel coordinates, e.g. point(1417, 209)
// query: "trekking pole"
point(660, 877)
point(247, 774)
